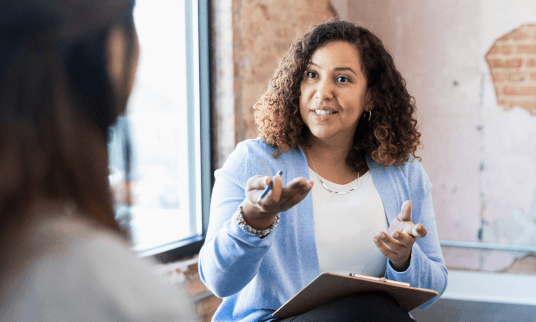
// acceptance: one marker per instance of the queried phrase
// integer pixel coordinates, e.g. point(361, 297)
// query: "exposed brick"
point(517, 76)
point(502, 63)
point(267, 29)
point(527, 105)
point(513, 68)
point(493, 50)
point(520, 35)
point(498, 89)
point(499, 77)
point(508, 36)
point(526, 49)
point(513, 63)
point(495, 63)
point(507, 49)
point(520, 90)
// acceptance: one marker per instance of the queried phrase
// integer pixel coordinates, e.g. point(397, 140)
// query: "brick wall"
point(267, 29)
point(249, 39)
point(512, 61)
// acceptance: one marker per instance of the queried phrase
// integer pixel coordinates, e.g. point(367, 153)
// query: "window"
point(168, 118)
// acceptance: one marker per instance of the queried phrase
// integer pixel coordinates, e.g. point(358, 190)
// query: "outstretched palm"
point(397, 244)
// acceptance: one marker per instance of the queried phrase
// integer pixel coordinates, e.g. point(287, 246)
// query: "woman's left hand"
point(397, 244)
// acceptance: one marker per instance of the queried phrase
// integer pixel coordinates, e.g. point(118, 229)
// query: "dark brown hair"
point(57, 103)
point(391, 136)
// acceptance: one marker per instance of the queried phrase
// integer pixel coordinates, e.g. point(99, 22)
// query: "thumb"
point(405, 211)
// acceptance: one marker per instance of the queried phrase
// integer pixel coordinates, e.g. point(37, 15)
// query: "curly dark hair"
point(390, 137)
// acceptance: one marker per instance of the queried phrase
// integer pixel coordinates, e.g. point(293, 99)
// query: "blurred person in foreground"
point(336, 111)
point(66, 70)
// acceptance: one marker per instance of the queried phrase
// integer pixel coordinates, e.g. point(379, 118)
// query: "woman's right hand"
point(261, 215)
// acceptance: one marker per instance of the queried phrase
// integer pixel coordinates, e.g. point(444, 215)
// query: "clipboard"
point(329, 287)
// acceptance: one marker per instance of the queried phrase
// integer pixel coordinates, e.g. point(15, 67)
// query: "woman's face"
point(333, 92)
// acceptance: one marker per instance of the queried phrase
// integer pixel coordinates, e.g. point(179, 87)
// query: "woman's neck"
point(328, 159)
point(334, 155)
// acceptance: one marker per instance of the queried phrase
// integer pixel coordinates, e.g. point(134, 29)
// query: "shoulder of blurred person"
point(70, 269)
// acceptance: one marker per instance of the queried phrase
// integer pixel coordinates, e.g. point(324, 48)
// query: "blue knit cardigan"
point(256, 276)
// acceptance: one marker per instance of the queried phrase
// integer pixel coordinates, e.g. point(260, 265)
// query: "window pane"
point(158, 121)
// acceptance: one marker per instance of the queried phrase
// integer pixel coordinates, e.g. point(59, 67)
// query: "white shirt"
point(75, 272)
point(345, 226)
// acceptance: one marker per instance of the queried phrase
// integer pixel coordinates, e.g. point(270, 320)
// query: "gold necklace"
point(322, 182)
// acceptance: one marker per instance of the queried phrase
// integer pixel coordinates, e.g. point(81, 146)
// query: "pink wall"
point(439, 47)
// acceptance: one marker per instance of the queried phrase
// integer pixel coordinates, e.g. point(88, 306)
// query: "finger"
point(404, 239)
point(407, 228)
point(275, 194)
point(298, 184)
point(295, 184)
point(392, 243)
point(258, 182)
point(405, 211)
point(419, 231)
point(297, 197)
point(386, 251)
point(294, 187)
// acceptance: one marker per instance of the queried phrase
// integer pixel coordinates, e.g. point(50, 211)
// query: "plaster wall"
point(478, 155)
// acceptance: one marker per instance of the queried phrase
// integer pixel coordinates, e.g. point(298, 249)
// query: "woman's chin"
point(321, 134)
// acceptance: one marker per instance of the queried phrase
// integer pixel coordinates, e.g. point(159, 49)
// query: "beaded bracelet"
point(252, 231)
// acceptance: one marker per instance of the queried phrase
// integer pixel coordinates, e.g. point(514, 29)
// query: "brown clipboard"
point(329, 287)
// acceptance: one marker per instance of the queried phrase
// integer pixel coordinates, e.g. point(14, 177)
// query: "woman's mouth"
point(323, 112)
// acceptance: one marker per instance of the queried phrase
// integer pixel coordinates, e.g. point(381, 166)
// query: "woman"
point(336, 111)
point(66, 71)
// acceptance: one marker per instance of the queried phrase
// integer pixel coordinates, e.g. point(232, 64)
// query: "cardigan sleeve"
point(427, 267)
point(230, 258)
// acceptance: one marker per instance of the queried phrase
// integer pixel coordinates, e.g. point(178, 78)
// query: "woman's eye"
point(342, 79)
point(311, 74)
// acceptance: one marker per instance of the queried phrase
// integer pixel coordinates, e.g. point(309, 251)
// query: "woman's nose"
point(324, 90)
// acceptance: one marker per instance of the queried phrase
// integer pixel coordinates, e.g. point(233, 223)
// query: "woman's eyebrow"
point(345, 68)
point(336, 68)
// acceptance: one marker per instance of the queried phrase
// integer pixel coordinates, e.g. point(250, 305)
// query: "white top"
point(345, 226)
point(74, 272)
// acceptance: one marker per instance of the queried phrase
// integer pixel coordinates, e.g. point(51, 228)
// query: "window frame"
point(197, 13)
